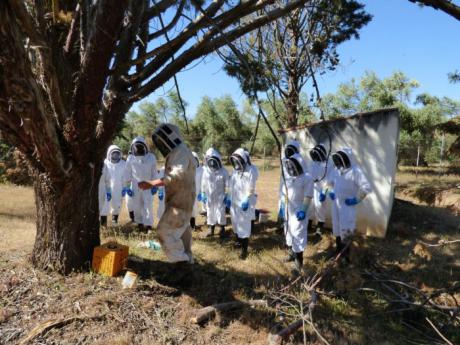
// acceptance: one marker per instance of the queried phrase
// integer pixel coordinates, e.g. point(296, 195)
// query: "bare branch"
point(446, 6)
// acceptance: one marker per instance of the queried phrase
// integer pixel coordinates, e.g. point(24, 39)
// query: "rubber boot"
point(148, 229)
point(210, 232)
point(290, 256)
point(193, 223)
point(222, 233)
point(320, 228)
point(346, 254)
point(310, 227)
point(103, 220)
point(298, 262)
point(131, 216)
point(115, 218)
point(237, 241)
point(140, 228)
point(244, 248)
point(338, 245)
point(252, 226)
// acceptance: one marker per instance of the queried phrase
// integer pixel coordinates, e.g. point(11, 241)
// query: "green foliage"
point(418, 118)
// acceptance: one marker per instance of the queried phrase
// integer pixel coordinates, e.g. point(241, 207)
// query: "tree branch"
point(204, 47)
point(444, 5)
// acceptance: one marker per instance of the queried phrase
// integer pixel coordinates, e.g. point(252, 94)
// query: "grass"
point(158, 312)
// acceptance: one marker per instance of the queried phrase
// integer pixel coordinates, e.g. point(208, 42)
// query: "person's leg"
point(187, 242)
point(174, 242)
point(103, 221)
point(193, 223)
point(298, 261)
point(244, 248)
point(115, 218)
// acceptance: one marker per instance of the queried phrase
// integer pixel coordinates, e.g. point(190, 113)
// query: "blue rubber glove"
point(154, 190)
point(300, 215)
point(108, 195)
point(352, 201)
point(161, 194)
point(245, 205)
point(281, 212)
point(124, 191)
point(130, 192)
point(332, 195)
point(199, 197)
point(227, 201)
point(322, 196)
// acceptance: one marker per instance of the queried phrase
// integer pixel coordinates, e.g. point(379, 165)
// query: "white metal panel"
point(374, 138)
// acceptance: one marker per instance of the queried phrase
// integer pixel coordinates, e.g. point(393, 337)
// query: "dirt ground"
point(362, 303)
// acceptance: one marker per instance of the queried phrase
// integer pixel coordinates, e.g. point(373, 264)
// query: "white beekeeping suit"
point(198, 176)
point(318, 170)
point(141, 166)
point(104, 193)
point(116, 168)
point(213, 184)
point(350, 187)
point(292, 147)
point(295, 199)
point(242, 186)
point(161, 194)
point(179, 181)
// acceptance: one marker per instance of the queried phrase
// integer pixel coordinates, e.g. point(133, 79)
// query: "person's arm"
point(150, 184)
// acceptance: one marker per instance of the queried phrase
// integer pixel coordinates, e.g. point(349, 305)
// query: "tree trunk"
point(67, 221)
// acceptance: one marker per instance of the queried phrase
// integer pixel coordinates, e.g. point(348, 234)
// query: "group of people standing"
point(304, 189)
point(215, 190)
point(185, 187)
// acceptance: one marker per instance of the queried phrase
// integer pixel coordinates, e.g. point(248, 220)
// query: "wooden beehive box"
point(110, 258)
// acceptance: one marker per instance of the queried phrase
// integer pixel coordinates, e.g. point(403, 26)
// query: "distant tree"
point(283, 55)
point(235, 131)
point(418, 117)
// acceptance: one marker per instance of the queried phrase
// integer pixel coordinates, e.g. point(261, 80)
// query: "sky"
point(421, 42)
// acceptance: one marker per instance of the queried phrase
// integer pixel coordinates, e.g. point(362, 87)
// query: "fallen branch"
point(46, 326)
point(278, 338)
point(437, 331)
point(440, 243)
point(208, 313)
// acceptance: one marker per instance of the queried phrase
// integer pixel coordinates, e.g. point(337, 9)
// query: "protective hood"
point(292, 147)
point(248, 156)
point(138, 145)
point(344, 158)
point(209, 152)
point(295, 165)
point(213, 159)
point(166, 138)
point(239, 159)
point(318, 153)
point(113, 149)
point(197, 158)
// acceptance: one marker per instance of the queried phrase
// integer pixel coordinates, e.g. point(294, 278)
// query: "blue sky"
point(421, 42)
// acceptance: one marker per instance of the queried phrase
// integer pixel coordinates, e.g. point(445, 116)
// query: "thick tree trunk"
point(67, 221)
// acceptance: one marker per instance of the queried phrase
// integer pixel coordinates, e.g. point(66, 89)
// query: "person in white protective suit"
point(161, 194)
point(319, 169)
point(104, 194)
point(115, 167)
point(350, 187)
point(141, 166)
point(295, 198)
point(198, 176)
point(241, 187)
point(292, 147)
point(255, 172)
point(179, 182)
point(213, 185)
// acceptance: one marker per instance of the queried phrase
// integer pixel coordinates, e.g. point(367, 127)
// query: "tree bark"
point(67, 221)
